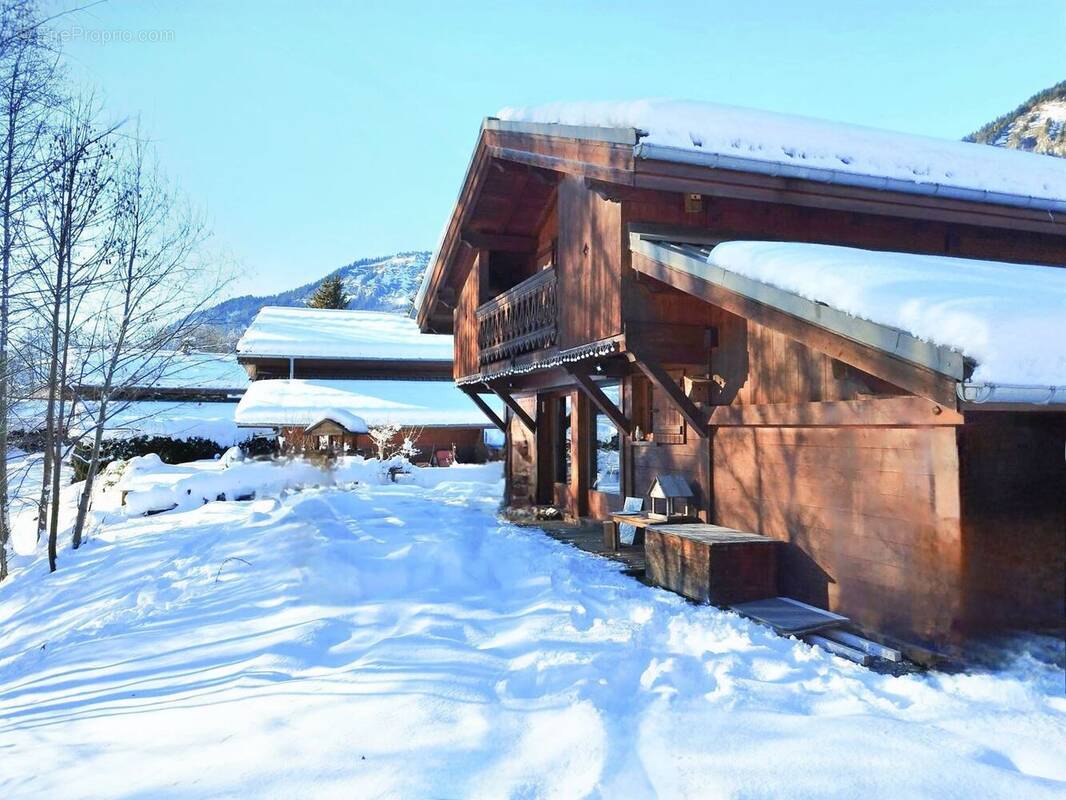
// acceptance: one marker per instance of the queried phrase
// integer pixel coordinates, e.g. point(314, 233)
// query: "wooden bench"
point(711, 564)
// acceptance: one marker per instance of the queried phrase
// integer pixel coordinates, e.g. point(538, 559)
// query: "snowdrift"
point(396, 641)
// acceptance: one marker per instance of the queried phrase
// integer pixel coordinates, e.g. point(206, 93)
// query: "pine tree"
point(329, 295)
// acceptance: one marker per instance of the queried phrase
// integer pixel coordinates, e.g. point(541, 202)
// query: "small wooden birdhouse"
point(670, 488)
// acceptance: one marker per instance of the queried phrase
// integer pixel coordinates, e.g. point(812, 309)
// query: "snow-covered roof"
point(377, 402)
point(352, 423)
point(328, 333)
point(1009, 318)
point(746, 139)
point(170, 370)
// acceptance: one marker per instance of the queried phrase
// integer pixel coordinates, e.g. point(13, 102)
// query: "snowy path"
point(399, 642)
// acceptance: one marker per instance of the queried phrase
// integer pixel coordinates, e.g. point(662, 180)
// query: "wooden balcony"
point(520, 320)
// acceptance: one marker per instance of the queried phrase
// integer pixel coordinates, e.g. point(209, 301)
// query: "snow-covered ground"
point(400, 641)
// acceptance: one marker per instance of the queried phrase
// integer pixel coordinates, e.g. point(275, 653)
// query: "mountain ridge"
point(380, 283)
point(1037, 126)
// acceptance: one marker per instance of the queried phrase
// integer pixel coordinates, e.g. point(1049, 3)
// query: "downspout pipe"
point(978, 393)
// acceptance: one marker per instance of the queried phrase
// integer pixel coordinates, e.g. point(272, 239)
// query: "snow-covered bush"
point(391, 441)
point(170, 451)
point(394, 447)
point(260, 446)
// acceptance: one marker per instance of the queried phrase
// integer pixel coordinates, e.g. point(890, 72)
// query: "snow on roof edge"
point(820, 149)
point(340, 334)
point(863, 180)
point(984, 310)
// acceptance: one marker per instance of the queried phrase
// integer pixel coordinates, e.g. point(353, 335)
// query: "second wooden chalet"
point(321, 378)
point(845, 339)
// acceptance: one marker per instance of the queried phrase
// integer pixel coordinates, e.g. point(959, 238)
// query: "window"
point(606, 446)
point(655, 414)
point(562, 440)
point(668, 426)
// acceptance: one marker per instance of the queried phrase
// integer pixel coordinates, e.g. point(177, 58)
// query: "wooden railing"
point(519, 321)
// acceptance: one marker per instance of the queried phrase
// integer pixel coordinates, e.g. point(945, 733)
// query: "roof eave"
point(587, 133)
point(887, 339)
point(711, 160)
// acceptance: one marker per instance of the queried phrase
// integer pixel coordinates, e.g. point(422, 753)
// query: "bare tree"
point(27, 79)
point(156, 291)
point(73, 245)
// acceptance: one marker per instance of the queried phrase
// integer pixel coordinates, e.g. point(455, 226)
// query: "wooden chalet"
point(573, 274)
point(321, 378)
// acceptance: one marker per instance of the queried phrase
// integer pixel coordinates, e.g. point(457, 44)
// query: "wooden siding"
point(465, 342)
point(870, 517)
point(590, 247)
point(755, 365)
point(468, 442)
point(346, 368)
point(746, 219)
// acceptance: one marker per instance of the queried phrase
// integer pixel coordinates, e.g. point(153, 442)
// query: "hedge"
point(170, 451)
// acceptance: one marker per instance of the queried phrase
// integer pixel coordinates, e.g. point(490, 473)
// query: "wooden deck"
point(588, 536)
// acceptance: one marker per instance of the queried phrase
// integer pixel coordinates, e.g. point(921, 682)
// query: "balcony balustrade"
point(521, 320)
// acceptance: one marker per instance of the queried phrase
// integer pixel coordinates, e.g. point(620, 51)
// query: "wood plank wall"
point(465, 325)
point(871, 516)
point(590, 244)
point(745, 219)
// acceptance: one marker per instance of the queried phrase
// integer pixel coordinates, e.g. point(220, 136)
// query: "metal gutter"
point(1011, 393)
point(682, 155)
point(891, 340)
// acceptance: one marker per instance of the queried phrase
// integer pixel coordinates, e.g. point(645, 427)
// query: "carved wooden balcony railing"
point(519, 321)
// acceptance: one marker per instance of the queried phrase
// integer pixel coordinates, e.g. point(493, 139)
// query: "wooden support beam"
point(499, 241)
point(486, 409)
point(516, 408)
point(868, 413)
point(600, 400)
point(664, 383)
point(611, 192)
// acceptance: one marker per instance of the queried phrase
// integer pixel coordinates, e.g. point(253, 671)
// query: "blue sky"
point(313, 134)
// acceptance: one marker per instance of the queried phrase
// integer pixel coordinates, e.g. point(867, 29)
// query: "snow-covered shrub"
point(394, 446)
point(111, 475)
point(259, 446)
point(170, 451)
